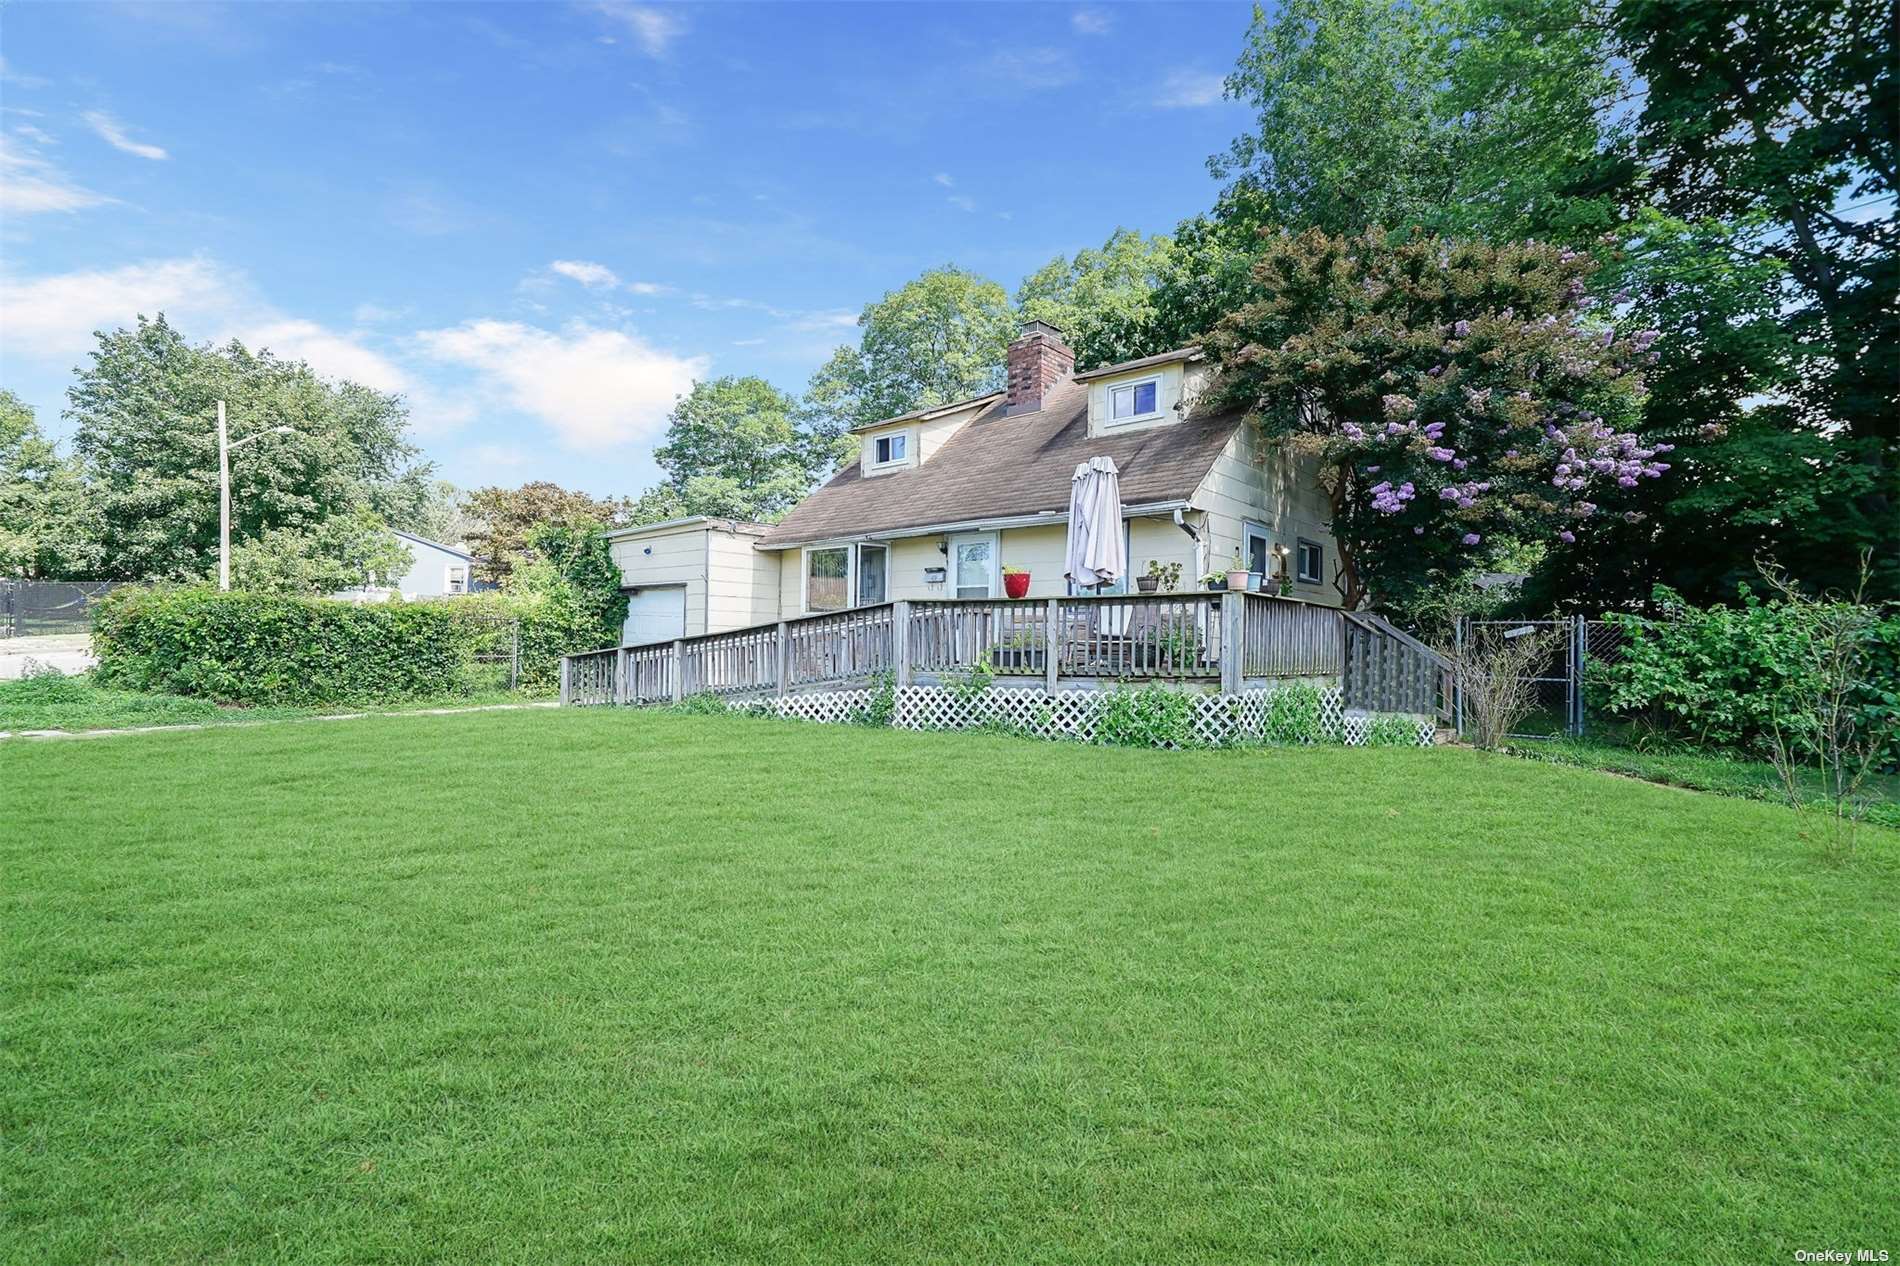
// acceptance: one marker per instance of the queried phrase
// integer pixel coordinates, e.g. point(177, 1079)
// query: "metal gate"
point(1562, 680)
point(31, 607)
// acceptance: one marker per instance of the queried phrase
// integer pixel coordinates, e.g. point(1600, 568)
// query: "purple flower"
point(1568, 538)
point(1461, 329)
point(1472, 538)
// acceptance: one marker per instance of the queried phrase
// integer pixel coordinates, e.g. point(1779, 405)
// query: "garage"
point(655, 615)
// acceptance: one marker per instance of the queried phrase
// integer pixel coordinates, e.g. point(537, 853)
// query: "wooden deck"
point(1221, 641)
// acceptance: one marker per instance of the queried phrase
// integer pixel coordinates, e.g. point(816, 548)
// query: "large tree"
point(507, 518)
point(49, 527)
point(1103, 300)
point(1777, 117)
point(734, 448)
point(144, 408)
point(1456, 396)
point(938, 338)
point(1469, 117)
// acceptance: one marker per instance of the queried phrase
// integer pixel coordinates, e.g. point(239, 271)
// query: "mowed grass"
point(609, 986)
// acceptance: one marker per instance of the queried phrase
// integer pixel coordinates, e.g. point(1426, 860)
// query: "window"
point(1256, 538)
point(889, 449)
point(455, 578)
point(1312, 562)
point(973, 566)
point(871, 571)
point(1133, 400)
point(828, 579)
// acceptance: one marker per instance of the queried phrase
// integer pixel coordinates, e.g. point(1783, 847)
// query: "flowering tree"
point(1458, 396)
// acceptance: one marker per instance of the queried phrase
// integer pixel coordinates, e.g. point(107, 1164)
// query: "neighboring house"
point(435, 571)
point(942, 499)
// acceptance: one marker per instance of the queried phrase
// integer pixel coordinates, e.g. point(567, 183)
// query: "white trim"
point(1248, 530)
point(850, 575)
point(1299, 552)
point(857, 570)
point(951, 583)
point(690, 521)
point(1045, 518)
point(1110, 421)
point(448, 569)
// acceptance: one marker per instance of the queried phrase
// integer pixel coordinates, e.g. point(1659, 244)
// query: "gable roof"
point(423, 540)
point(929, 411)
point(998, 466)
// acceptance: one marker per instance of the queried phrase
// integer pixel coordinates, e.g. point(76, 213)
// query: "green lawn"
point(609, 986)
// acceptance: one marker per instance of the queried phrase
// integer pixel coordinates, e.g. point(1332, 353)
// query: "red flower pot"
point(1016, 584)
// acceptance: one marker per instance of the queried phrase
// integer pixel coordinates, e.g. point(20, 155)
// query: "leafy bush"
point(1293, 715)
point(705, 703)
point(1154, 716)
point(1719, 674)
point(1385, 730)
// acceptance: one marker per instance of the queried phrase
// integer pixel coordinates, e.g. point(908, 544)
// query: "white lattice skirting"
point(1071, 714)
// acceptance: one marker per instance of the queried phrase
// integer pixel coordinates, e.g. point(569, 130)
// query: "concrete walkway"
point(246, 725)
point(68, 652)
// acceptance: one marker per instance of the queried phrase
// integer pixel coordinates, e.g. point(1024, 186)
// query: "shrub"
point(1718, 675)
point(1293, 715)
point(272, 648)
point(1386, 730)
point(1154, 716)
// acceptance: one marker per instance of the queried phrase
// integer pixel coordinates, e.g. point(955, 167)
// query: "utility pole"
point(224, 503)
point(224, 491)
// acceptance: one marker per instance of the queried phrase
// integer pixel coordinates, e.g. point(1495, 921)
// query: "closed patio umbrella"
point(1095, 554)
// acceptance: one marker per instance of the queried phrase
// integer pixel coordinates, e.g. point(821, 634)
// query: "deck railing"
point(1224, 639)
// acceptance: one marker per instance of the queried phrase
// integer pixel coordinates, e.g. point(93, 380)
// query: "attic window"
point(889, 449)
point(1134, 401)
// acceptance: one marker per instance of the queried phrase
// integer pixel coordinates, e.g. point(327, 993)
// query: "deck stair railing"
point(1223, 640)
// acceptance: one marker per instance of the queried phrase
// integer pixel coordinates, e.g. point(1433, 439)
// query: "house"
point(942, 499)
point(435, 571)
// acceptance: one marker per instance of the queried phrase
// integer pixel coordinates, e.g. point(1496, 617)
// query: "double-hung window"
point(1312, 562)
point(455, 578)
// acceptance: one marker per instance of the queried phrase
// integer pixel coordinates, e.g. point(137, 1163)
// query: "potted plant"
point(1150, 580)
point(1237, 573)
point(1016, 582)
point(1214, 581)
point(1286, 585)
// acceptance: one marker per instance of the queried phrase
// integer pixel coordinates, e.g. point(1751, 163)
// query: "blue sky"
point(541, 222)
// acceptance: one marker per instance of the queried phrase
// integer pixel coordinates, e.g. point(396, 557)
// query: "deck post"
point(1233, 640)
point(900, 640)
point(679, 669)
point(623, 661)
point(566, 667)
point(784, 658)
point(1052, 645)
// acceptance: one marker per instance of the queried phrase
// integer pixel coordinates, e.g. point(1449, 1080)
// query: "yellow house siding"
point(741, 582)
point(677, 557)
point(1254, 481)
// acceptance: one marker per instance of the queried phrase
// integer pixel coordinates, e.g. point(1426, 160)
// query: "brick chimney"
point(1038, 360)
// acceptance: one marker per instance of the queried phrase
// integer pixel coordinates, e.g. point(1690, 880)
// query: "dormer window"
point(887, 450)
point(1134, 401)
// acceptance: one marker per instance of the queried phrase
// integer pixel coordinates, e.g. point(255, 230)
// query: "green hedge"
point(256, 648)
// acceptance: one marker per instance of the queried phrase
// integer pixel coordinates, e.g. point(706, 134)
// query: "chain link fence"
point(1562, 682)
point(37, 608)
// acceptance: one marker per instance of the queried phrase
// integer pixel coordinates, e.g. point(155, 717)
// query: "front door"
point(655, 615)
point(872, 585)
point(973, 566)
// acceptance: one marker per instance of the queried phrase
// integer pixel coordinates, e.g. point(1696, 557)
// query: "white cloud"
point(943, 178)
point(593, 276)
point(1091, 22)
point(1186, 89)
point(591, 386)
point(747, 342)
point(331, 354)
point(29, 185)
point(1033, 69)
point(961, 203)
point(653, 27)
point(646, 288)
point(53, 317)
point(112, 132)
point(376, 313)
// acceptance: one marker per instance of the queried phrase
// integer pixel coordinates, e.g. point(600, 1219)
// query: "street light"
point(224, 491)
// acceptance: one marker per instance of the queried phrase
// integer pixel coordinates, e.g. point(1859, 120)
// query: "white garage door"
point(655, 615)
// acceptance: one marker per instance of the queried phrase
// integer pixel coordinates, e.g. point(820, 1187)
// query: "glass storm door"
point(973, 566)
point(871, 582)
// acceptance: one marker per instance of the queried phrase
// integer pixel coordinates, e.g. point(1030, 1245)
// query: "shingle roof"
point(929, 411)
point(1164, 358)
point(1000, 467)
